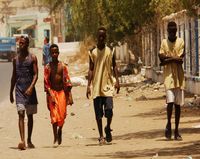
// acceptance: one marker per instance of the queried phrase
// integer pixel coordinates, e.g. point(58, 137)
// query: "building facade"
point(32, 22)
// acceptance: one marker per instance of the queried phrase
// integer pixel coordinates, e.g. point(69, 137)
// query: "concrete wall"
point(122, 53)
point(192, 83)
point(153, 74)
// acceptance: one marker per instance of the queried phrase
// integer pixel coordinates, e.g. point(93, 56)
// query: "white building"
point(32, 21)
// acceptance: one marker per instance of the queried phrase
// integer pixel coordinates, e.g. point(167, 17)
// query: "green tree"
point(191, 6)
point(121, 18)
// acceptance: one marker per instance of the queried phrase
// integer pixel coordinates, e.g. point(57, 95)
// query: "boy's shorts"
point(30, 109)
point(175, 95)
point(103, 106)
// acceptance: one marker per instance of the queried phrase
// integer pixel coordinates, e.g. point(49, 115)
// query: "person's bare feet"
point(55, 143)
point(55, 140)
point(22, 146)
point(59, 136)
point(30, 145)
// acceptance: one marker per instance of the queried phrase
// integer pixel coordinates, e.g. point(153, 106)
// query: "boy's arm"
point(67, 85)
point(13, 81)
point(169, 59)
point(35, 76)
point(116, 74)
point(47, 85)
point(90, 77)
point(69, 98)
point(162, 56)
point(166, 59)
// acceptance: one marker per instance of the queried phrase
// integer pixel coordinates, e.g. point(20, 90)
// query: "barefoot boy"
point(58, 89)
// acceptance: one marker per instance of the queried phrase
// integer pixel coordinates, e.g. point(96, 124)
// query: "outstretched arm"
point(13, 81)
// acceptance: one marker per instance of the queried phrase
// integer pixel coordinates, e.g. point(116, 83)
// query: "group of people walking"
point(102, 76)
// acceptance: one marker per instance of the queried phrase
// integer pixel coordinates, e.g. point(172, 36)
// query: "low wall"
point(192, 83)
point(154, 74)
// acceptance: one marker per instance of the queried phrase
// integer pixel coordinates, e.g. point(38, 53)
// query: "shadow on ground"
point(191, 149)
point(153, 113)
point(153, 134)
point(158, 112)
point(191, 121)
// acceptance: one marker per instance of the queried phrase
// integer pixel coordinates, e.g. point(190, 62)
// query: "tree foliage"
point(121, 18)
point(52, 5)
point(191, 6)
point(166, 7)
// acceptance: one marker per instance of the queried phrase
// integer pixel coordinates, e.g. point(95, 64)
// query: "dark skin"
point(23, 54)
point(166, 60)
point(172, 38)
point(101, 37)
point(101, 45)
point(56, 79)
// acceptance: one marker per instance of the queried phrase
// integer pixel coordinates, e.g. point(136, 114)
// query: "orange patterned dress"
point(58, 109)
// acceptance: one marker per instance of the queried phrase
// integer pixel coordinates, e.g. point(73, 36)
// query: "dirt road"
point(138, 129)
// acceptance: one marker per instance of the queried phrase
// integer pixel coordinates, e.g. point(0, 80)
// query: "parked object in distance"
point(7, 48)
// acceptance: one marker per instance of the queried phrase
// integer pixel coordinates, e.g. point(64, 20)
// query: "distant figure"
point(58, 88)
point(31, 41)
point(171, 57)
point(24, 77)
point(102, 67)
point(46, 58)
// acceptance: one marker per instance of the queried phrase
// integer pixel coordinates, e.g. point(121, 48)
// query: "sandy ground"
point(138, 129)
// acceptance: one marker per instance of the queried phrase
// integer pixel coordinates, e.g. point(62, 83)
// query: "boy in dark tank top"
point(24, 78)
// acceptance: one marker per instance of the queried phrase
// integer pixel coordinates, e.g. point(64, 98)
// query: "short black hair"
point(25, 38)
point(171, 24)
point(102, 28)
point(54, 45)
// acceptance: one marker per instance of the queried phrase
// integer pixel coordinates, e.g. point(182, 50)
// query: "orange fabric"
point(58, 110)
point(66, 79)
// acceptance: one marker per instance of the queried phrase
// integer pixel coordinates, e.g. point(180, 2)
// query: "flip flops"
point(101, 141)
